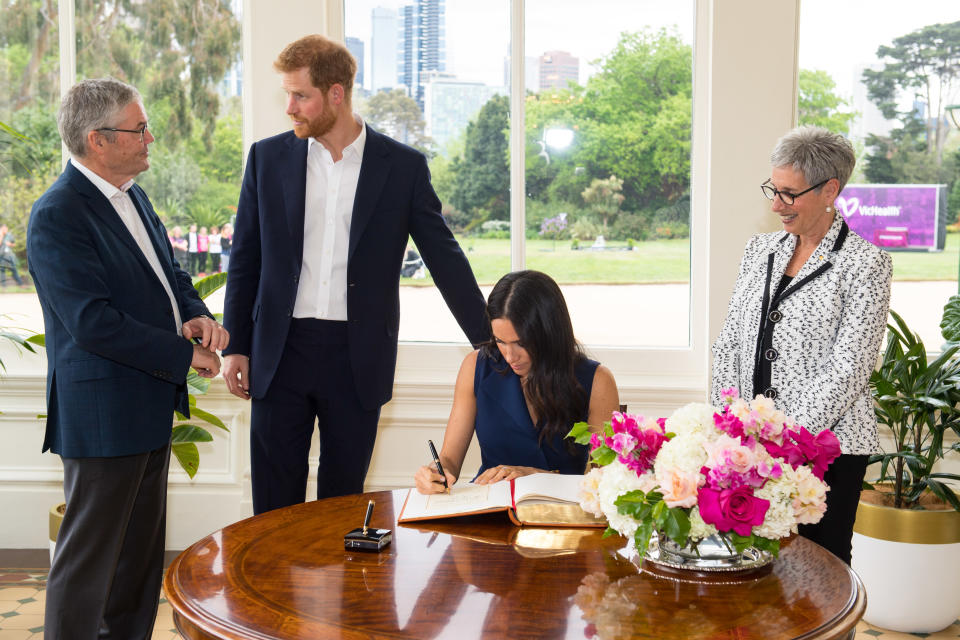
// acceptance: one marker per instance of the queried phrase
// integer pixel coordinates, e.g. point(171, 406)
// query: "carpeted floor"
point(22, 596)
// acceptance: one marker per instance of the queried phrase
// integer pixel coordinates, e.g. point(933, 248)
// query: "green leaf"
point(609, 531)
point(641, 537)
point(740, 543)
point(677, 525)
point(196, 385)
point(38, 339)
point(196, 412)
point(950, 324)
point(603, 455)
point(210, 284)
point(581, 433)
point(188, 457)
point(190, 433)
point(766, 544)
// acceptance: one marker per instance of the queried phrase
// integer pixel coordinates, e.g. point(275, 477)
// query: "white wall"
point(744, 99)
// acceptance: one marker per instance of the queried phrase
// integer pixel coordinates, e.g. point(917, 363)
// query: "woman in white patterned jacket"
point(807, 318)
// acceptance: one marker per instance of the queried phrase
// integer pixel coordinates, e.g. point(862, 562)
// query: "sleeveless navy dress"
point(503, 426)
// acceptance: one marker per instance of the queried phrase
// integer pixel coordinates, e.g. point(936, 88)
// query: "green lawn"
point(656, 261)
point(652, 262)
point(916, 265)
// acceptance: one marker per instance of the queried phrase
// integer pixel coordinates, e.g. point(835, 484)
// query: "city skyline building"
point(450, 104)
point(421, 44)
point(383, 49)
point(558, 69)
point(355, 47)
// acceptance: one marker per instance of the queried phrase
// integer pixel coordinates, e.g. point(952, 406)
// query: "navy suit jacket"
point(116, 366)
point(394, 200)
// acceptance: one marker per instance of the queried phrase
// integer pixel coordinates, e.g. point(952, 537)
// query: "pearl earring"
point(829, 209)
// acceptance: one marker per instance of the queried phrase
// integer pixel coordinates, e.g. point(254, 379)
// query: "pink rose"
point(679, 488)
point(732, 509)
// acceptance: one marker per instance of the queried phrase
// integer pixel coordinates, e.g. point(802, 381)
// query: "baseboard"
point(25, 558)
point(40, 558)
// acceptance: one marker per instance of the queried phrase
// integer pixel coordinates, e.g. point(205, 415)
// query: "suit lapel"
point(159, 241)
point(374, 170)
point(106, 214)
point(294, 193)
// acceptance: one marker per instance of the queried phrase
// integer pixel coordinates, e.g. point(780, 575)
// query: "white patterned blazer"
point(821, 335)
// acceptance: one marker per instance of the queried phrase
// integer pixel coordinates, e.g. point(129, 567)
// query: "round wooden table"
point(285, 574)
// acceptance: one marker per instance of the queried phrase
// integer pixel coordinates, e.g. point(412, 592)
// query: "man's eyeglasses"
point(786, 197)
point(142, 130)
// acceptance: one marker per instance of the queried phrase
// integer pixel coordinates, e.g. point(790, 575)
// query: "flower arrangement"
point(745, 473)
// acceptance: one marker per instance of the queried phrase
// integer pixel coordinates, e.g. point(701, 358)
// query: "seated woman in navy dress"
point(522, 391)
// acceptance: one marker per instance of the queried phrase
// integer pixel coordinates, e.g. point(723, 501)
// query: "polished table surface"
point(285, 574)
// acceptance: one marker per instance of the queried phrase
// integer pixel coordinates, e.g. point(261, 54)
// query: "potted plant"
point(906, 542)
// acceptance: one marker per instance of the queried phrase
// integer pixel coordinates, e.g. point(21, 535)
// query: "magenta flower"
point(732, 509)
point(729, 424)
point(729, 394)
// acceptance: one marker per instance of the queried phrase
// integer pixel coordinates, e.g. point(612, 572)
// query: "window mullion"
point(68, 56)
point(517, 138)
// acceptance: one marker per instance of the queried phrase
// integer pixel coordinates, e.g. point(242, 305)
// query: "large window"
point(606, 167)
point(186, 64)
point(29, 142)
point(887, 77)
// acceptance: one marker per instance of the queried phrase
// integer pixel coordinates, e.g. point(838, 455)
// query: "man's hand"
point(236, 372)
point(205, 362)
point(213, 336)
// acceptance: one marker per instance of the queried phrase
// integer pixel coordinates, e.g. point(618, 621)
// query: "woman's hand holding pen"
point(429, 481)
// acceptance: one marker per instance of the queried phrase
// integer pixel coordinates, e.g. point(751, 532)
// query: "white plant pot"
point(913, 588)
point(909, 562)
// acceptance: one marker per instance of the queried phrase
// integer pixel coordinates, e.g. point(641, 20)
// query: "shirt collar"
point(107, 189)
point(353, 150)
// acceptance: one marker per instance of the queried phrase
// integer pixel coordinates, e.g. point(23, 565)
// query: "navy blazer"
point(116, 365)
point(394, 200)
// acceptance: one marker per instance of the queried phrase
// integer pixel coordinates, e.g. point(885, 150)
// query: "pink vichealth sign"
point(893, 216)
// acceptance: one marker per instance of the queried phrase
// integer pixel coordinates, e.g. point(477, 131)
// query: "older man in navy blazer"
point(312, 300)
point(119, 315)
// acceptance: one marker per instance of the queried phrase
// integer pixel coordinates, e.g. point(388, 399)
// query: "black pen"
point(436, 459)
point(366, 518)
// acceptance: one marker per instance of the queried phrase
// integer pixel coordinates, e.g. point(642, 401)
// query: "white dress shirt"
point(127, 211)
point(330, 192)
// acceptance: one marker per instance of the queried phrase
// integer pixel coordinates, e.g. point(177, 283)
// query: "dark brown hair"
point(534, 305)
point(329, 62)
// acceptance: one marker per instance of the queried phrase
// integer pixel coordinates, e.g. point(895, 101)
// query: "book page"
point(547, 487)
point(462, 500)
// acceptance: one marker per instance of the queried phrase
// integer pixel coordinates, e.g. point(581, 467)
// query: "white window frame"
point(744, 89)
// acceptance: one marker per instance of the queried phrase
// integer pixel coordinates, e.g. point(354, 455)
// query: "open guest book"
point(540, 499)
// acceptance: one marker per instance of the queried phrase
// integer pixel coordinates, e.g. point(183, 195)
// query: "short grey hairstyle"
point(92, 104)
point(816, 153)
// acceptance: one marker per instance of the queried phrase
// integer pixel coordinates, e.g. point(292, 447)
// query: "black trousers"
point(108, 564)
point(835, 531)
point(313, 385)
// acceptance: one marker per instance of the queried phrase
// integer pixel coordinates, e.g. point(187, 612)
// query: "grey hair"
point(89, 105)
point(816, 153)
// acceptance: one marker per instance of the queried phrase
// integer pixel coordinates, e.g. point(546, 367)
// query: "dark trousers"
point(835, 531)
point(313, 384)
point(108, 565)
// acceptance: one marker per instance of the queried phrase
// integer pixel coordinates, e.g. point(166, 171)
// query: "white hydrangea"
point(685, 453)
point(698, 528)
point(695, 417)
point(779, 521)
point(616, 480)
